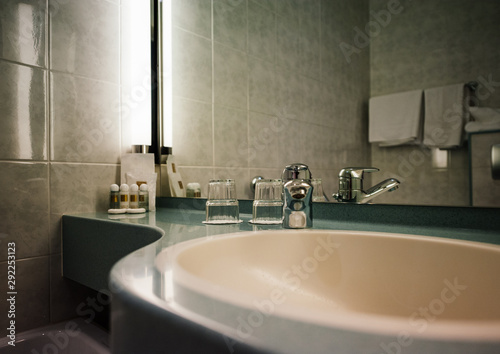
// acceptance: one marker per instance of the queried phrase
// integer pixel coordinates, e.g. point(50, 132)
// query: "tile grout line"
point(247, 40)
point(48, 110)
point(120, 88)
point(212, 21)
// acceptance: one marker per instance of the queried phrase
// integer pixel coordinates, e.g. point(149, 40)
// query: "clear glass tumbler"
point(318, 194)
point(222, 205)
point(268, 202)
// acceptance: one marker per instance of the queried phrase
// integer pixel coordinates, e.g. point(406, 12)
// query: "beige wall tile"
point(32, 286)
point(230, 137)
point(81, 188)
point(193, 16)
point(192, 60)
point(85, 125)
point(25, 208)
point(24, 31)
point(230, 77)
point(192, 126)
point(230, 23)
point(84, 39)
point(23, 102)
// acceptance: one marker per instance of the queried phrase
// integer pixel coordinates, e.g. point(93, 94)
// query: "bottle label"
point(124, 198)
point(141, 198)
point(133, 198)
point(114, 201)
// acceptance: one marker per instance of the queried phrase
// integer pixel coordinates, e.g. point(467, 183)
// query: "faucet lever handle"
point(356, 172)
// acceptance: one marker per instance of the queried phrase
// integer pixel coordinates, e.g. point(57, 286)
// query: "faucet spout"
point(389, 185)
point(351, 186)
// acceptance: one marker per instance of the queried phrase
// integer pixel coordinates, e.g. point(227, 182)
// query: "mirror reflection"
point(257, 85)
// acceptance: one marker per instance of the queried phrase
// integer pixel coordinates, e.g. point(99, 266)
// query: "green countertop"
point(98, 247)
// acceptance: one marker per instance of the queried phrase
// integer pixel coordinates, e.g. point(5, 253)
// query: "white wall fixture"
point(440, 158)
point(495, 161)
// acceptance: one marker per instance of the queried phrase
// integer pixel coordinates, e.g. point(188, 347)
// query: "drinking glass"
point(222, 205)
point(318, 195)
point(268, 202)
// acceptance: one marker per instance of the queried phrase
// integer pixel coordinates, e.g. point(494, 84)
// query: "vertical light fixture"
point(165, 73)
point(136, 70)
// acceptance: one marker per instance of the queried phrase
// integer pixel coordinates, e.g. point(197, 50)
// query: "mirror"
point(257, 85)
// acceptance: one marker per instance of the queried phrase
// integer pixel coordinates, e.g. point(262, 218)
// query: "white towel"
point(483, 118)
point(396, 119)
point(446, 112)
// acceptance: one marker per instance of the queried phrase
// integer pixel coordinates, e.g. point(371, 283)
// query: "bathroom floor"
point(69, 337)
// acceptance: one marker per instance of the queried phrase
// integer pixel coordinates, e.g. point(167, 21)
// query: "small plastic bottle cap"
point(144, 187)
point(124, 187)
point(134, 188)
point(114, 188)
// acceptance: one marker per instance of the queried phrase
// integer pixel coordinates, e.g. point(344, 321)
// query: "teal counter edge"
point(88, 254)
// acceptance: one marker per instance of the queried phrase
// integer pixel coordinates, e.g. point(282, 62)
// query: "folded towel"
point(483, 118)
point(396, 119)
point(446, 112)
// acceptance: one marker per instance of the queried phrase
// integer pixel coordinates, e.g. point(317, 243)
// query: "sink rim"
point(485, 330)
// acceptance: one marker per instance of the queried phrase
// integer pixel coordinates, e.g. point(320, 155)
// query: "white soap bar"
point(136, 211)
point(117, 211)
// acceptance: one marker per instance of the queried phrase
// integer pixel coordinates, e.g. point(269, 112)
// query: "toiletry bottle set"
point(128, 199)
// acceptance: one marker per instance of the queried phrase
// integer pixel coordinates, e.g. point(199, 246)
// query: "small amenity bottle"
point(134, 196)
point(114, 197)
point(144, 196)
point(124, 196)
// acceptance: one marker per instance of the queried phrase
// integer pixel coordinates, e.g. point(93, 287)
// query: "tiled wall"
point(430, 44)
point(59, 140)
point(259, 84)
point(265, 79)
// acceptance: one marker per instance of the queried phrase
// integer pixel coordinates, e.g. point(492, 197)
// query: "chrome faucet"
point(297, 206)
point(351, 186)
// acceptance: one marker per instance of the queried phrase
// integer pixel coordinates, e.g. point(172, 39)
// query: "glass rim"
point(269, 180)
point(228, 180)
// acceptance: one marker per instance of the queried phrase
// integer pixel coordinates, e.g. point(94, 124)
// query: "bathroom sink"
point(370, 282)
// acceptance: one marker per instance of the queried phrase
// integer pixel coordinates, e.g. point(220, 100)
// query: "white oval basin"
point(364, 281)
